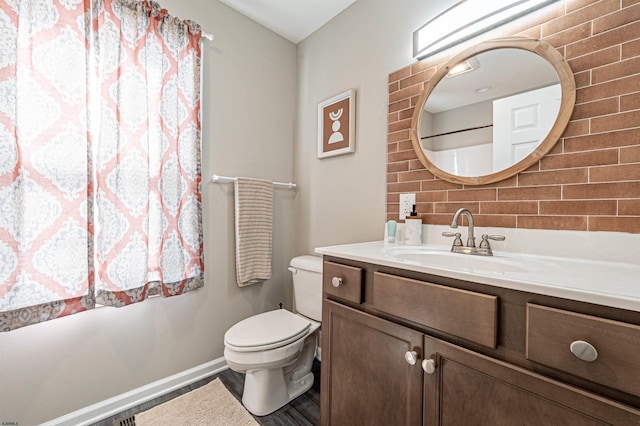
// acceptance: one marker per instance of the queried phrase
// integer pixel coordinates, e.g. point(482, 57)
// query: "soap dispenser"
point(413, 228)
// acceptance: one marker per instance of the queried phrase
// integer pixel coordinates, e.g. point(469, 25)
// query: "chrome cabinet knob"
point(429, 366)
point(584, 350)
point(336, 282)
point(411, 357)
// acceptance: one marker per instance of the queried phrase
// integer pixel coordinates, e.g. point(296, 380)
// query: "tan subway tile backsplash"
point(400, 105)
point(581, 15)
point(582, 79)
point(571, 35)
point(615, 71)
point(415, 175)
point(604, 40)
point(608, 89)
point(554, 177)
point(579, 208)
point(629, 102)
point(401, 166)
point(453, 207)
point(595, 109)
point(625, 16)
point(399, 75)
point(615, 122)
point(595, 59)
point(402, 135)
point(399, 156)
point(630, 155)
point(629, 207)
point(630, 49)
point(579, 159)
point(405, 93)
point(595, 191)
point(602, 140)
point(511, 207)
point(473, 195)
point(431, 197)
point(590, 180)
point(439, 185)
point(576, 128)
point(615, 173)
point(568, 223)
point(417, 78)
point(614, 224)
point(530, 193)
point(399, 125)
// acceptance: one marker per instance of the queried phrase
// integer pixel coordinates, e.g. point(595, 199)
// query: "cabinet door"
point(470, 389)
point(366, 379)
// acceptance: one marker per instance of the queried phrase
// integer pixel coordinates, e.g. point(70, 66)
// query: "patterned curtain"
point(148, 225)
point(99, 156)
point(45, 245)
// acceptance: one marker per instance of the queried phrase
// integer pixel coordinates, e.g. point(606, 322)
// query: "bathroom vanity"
point(419, 335)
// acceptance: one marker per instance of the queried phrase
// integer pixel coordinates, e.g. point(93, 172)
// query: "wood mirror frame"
point(568, 88)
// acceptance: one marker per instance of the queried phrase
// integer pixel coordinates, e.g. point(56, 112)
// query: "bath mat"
point(209, 405)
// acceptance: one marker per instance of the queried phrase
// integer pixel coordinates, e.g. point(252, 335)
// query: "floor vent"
point(126, 421)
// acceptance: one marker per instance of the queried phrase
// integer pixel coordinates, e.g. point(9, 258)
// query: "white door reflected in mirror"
point(521, 122)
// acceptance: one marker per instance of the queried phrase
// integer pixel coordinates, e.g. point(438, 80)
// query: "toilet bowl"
point(275, 349)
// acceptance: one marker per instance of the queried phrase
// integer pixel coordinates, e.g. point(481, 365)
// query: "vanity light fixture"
point(467, 19)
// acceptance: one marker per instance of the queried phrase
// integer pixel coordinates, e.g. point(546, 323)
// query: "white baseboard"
point(112, 406)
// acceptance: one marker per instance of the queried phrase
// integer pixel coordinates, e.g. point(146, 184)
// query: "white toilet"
point(276, 349)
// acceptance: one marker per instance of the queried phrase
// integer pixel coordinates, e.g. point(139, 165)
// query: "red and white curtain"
point(99, 156)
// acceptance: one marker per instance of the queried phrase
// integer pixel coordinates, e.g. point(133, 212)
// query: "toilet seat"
point(266, 331)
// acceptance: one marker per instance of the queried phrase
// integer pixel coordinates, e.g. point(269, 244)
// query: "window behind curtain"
point(45, 243)
point(99, 156)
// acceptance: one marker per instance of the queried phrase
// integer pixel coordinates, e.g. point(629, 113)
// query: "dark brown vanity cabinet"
point(403, 350)
point(364, 369)
point(467, 388)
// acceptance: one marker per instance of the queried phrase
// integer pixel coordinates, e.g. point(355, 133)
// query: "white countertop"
point(613, 284)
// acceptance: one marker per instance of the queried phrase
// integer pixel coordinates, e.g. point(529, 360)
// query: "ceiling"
point(292, 19)
point(498, 73)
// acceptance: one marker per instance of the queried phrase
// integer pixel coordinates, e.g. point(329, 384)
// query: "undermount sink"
point(443, 258)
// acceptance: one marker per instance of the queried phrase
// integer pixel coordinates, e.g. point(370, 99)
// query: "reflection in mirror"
point(492, 108)
point(491, 113)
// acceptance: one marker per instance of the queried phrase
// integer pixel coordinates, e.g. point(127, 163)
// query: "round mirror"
point(493, 110)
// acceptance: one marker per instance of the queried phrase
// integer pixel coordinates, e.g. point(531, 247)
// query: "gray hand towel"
point(254, 230)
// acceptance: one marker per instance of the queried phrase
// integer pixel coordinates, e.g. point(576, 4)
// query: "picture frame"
point(336, 125)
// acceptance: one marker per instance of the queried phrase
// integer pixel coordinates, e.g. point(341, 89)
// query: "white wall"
point(54, 368)
point(344, 197)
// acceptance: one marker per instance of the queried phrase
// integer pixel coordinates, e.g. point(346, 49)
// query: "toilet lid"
point(267, 330)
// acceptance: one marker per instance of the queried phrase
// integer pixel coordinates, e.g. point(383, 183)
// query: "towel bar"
point(220, 179)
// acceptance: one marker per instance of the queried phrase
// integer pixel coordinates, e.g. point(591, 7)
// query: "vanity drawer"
point(342, 281)
point(466, 314)
point(551, 332)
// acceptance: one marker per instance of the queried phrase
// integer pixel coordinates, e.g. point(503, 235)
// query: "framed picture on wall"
point(336, 125)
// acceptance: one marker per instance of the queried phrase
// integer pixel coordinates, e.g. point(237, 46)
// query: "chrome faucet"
point(471, 240)
point(484, 249)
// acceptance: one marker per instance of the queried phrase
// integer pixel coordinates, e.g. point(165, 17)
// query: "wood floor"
point(302, 411)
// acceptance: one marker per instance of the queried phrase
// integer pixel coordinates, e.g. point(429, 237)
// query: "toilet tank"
point(307, 286)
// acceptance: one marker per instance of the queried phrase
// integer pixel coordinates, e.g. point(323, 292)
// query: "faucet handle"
point(458, 237)
point(485, 240)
